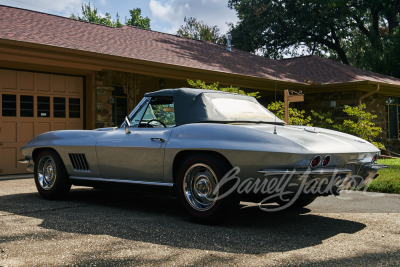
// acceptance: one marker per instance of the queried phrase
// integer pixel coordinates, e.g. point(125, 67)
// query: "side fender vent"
point(79, 162)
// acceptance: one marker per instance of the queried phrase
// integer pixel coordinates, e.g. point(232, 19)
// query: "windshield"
point(154, 113)
point(237, 109)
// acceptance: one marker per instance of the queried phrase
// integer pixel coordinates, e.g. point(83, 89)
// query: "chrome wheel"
point(198, 186)
point(46, 172)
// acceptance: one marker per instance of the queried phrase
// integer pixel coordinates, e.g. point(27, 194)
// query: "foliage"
point(198, 30)
point(137, 20)
point(362, 33)
point(215, 86)
point(322, 120)
point(361, 124)
point(296, 117)
point(388, 180)
point(90, 14)
point(168, 118)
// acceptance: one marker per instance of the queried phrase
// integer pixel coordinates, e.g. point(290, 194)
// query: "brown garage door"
point(31, 104)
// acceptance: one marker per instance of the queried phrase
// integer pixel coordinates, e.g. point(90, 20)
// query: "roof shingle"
point(136, 43)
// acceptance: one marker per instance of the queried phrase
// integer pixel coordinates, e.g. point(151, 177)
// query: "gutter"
point(368, 94)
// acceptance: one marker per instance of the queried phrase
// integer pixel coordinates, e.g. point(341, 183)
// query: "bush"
point(215, 86)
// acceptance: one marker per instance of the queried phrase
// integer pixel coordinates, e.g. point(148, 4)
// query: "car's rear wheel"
point(301, 202)
point(197, 178)
point(51, 177)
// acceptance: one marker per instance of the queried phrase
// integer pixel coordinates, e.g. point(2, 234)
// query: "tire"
point(51, 177)
point(299, 203)
point(196, 179)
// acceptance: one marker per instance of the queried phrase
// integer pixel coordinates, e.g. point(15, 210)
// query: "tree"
point(215, 86)
point(360, 124)
point(296, 117)
point(361, 33)
point(90, 14)
point(198, 30)
point(137, 20)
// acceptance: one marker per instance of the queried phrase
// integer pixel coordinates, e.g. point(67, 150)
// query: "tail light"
point(315, 161)
point(375, 158)
point(326, 160)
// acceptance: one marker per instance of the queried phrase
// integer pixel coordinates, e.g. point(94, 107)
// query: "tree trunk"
point(337, 48)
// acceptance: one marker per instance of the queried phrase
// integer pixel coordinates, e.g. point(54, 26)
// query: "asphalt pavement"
point(103, 228)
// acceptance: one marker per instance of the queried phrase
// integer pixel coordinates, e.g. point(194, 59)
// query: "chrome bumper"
point(31, 165)
point(368, 171)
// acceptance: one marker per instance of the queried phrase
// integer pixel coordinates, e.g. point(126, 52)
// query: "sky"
point(165, 15)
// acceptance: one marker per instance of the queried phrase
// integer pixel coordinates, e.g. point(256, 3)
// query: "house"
point(57, 73)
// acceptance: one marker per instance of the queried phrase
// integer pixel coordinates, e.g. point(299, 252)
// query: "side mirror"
point(127, 124)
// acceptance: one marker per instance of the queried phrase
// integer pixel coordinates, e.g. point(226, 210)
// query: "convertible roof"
point(195, 105)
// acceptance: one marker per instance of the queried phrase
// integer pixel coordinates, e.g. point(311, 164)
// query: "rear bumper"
point(315, 182)
point(315, 172)
point(322, 181)
point(368, 172)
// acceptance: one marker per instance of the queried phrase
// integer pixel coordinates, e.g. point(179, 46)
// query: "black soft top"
point(195, 105)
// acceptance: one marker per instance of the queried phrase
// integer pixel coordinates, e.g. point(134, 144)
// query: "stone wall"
point(103, 99)
point(105, 82)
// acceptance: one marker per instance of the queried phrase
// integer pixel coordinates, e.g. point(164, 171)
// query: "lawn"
point(388, 180)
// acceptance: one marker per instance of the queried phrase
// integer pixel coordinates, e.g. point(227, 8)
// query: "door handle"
point(158, 139)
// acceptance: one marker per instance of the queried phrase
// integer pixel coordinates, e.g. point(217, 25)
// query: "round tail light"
point(326, 160)
point(375, 158)
point(315, 161)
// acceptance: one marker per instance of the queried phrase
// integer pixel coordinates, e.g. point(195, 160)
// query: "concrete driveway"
point(99, 228)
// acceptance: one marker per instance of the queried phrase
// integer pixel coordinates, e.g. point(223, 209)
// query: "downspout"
point(368, 94)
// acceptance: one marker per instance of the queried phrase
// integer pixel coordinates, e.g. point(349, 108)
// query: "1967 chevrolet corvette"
point(183, 141)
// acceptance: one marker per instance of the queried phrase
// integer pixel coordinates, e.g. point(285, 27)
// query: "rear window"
point(241, 109)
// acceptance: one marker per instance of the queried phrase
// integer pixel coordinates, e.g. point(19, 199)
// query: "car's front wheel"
point(198, 189)
point(51, 177)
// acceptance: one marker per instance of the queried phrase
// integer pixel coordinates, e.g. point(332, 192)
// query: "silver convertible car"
point(210, 149)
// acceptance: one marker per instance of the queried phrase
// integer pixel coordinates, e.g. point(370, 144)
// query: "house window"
point(43, 106)
point(392, 117)
point(59, 107)
point(74, 107)
point(9, 103)
point(119, 109)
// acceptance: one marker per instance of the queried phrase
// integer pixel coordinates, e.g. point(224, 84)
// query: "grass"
point(388, 180)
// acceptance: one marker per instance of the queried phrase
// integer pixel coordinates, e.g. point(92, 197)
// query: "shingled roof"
point(329, 71)
point(136, 43)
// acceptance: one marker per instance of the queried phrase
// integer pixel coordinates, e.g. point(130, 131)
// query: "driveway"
point(101, 228)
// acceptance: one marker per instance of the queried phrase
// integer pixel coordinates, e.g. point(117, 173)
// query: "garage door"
point(31, 104)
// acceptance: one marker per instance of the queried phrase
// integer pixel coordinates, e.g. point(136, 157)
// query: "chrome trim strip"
point(318, 171)
point(120, 181)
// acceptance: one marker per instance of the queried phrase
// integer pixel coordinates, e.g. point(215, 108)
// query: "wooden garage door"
point(31, 104)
